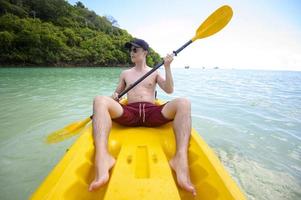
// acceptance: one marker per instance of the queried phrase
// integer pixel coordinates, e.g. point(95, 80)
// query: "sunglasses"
point(134, 49)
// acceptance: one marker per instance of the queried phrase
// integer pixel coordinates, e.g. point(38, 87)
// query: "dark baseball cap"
point(137, 43)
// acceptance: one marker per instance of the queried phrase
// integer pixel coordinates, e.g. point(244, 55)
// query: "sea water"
point(251, 119)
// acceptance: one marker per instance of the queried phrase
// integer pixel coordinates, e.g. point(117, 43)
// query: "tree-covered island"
point(55, 33)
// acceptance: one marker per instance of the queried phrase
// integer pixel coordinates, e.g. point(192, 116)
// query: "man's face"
point(137, 54)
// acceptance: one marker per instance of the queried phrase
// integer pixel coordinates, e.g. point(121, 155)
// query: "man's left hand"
point(167, 60)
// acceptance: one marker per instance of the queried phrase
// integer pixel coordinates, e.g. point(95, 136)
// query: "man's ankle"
point(181, 154)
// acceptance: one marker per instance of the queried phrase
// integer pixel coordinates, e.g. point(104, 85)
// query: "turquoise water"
point(252, 120)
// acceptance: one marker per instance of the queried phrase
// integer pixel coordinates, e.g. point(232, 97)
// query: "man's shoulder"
point(126, 72)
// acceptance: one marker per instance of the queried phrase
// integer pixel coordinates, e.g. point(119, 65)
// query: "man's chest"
point(148, 82)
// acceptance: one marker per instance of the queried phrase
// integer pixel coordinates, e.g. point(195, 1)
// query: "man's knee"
point(183, 103)
point(101, 101)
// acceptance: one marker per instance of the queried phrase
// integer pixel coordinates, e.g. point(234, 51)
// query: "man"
point(141, 111)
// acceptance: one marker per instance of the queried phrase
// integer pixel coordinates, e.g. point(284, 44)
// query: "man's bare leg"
point(104, 109)
point(180, 110)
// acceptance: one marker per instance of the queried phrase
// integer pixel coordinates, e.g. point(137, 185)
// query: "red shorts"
point(142, 114)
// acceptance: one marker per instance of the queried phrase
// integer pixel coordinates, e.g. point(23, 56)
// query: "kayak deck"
point(141, 171)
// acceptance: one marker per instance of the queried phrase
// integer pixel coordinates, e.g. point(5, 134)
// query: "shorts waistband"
point(142, 102)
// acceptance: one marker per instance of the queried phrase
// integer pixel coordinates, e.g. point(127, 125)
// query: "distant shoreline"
point(60, 66)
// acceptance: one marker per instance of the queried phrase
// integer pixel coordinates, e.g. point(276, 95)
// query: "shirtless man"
point(141, 111)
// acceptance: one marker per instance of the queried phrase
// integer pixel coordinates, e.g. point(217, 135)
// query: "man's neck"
point(140, 66)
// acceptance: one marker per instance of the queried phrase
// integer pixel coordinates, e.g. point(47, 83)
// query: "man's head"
point(138, 49)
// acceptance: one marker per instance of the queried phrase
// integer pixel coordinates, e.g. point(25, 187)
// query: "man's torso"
point(144, 91)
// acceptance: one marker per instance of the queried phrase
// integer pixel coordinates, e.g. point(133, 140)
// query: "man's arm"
point(120, 87)
point(167, 83)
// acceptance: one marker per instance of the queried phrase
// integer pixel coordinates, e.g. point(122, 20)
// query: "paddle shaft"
point(175, 53)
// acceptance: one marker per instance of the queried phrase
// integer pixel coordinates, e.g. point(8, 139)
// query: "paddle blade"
point(214, 23)
point(67, 131)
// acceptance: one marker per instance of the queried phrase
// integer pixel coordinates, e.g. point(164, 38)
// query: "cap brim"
point(129, 45)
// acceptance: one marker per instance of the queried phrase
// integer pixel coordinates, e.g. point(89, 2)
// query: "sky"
point(263, 34)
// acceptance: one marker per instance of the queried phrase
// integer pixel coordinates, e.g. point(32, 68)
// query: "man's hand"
point(167, 84)
point(167, 60)
point(115, 96)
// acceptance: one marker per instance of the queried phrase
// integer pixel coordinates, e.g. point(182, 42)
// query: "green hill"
point(55, 33)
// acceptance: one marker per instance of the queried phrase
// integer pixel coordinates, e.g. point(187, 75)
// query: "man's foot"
point(180, 166)
point(103, 165)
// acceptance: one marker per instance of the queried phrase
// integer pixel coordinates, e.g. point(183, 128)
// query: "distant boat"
point(187, 67)
point(215, 68)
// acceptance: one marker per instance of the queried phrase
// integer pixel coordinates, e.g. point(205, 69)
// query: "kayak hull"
point(141, 170)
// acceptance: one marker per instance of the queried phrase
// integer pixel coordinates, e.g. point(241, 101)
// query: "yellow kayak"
point(141, 170)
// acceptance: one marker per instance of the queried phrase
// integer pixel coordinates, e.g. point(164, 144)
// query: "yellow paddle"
point(214, 23)
point(68, 131)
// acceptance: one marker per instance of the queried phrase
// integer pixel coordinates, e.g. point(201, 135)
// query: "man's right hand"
point(115, 96)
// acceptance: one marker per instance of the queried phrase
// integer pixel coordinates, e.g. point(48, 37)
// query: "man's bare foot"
point(103, 166)
point(180, 166)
